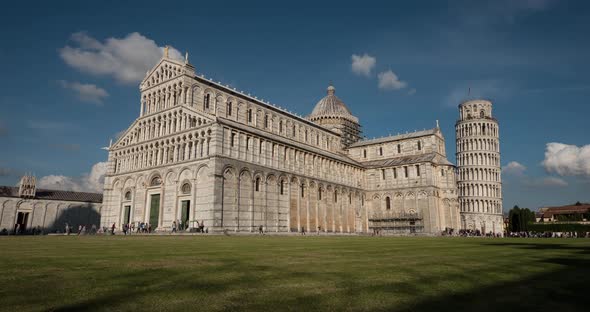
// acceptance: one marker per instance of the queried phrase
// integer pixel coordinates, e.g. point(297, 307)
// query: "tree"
point(520, 218)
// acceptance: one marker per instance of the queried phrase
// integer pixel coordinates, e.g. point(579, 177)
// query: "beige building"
point(26, 207)
point(202, 151)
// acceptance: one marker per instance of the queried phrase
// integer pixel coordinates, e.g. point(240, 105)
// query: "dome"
point(331, 106)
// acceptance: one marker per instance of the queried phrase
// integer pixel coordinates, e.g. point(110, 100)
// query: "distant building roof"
point(569, 209)
point(396, 137)
point(11, 191)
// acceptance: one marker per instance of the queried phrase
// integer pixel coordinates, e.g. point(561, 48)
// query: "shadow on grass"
point(562, 289)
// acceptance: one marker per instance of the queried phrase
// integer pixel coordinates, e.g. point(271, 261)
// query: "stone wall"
point(50, 215)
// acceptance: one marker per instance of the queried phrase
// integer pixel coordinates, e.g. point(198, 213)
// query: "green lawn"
point(218, 273)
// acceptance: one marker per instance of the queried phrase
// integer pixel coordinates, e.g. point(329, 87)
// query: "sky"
point(71, 71)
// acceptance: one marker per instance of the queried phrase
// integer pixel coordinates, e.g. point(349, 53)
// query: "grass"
point(218, 273)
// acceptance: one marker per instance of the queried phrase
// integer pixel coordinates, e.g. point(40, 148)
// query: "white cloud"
point(553, 181)
point(126, 59)
point(85, 92)
point(388, 80)
point(363, 64)
point(546, 181)
point(514, 168)
point(88, 182)
point(567, 160)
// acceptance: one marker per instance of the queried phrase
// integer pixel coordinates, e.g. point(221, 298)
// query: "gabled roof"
point(398, 137)
point(162, 61)
point(406, 160)
point(12, 191)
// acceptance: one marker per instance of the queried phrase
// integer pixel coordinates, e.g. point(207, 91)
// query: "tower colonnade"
point(479, 179)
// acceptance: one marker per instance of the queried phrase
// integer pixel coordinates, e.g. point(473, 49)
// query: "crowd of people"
point(178, 226)
point(549, 234)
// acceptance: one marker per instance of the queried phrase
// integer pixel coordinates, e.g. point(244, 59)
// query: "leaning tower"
point(478, 162)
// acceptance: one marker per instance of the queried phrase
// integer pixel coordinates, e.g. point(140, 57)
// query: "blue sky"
point(529, 57)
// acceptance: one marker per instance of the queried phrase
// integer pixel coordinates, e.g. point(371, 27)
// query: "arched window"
point(419, 145)
point(282, 188)
point(249, 115)
point(302, 190)
point(155, 181)
point(206, 101)
point(380, 151)
point(229, 108)
point(482, 114)
point(258, 184)
point(399, 148)
point(387, 203)
point(265, 121)
point(128, 195)
point(319, 193)
point(335, 197)
point(186, 188)
point(280, 126)
point(365, 153)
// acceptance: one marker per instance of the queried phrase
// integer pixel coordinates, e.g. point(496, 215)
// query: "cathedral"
point(201, 153)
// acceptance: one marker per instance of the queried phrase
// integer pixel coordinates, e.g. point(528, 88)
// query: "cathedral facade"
point(203, 153)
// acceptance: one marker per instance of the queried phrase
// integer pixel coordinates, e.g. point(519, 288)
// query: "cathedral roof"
point(406, 160)
point(11, 191)
point(391, 138)
point(331, 106)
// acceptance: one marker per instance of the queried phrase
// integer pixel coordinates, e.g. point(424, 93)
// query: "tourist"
point(113, 229)
point(79, 229)
point(202, 226)
point(260, 231)
point(173, 227)
point(302, 230)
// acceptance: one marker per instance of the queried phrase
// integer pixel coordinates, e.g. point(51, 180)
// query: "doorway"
point(126, 214)
point(22, 219)
point(184, 214)
point(154, 211)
